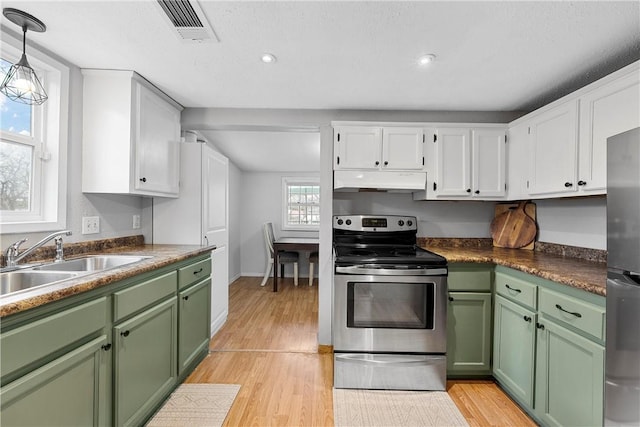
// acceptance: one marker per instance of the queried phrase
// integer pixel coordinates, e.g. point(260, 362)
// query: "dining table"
point(293, 244)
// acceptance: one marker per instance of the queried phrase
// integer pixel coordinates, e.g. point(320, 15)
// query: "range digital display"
point(374, 222)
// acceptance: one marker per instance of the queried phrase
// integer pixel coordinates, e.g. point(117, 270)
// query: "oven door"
point(388, 313)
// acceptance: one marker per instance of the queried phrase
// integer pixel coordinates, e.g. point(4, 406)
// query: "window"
point(301, 203)
point(33, 147)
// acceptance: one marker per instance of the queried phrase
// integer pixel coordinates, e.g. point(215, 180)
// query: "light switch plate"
point(90, 224)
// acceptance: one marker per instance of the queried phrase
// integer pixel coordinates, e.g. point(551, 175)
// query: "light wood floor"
point(269, 346)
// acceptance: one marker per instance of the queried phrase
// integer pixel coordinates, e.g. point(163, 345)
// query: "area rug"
point(378, 408)
point(196, 405)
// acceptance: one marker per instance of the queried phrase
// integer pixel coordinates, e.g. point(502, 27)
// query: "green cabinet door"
point(145, 362)
point(569, 378)
point(469, 334)
point(514, 349)
point(193, 323)
point(72, 390)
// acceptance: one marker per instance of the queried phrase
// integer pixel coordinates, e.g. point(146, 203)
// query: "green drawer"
point(130, 300)
point(582, 315)
point(194, 273)
point(469, 279)
point(29, 343)
point(516, 290)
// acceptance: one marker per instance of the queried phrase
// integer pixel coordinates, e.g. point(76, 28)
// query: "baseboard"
point(218, 322)
point(234, 278)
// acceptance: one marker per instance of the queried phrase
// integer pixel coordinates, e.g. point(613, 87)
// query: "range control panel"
point(382, 223)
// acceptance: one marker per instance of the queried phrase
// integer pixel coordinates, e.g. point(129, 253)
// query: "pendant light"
point(21, 83)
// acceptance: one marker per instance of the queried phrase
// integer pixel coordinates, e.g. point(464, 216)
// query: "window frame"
point(49, 135)
point(297, 180)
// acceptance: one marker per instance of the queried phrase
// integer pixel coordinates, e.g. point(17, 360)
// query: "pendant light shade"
point(21, 83)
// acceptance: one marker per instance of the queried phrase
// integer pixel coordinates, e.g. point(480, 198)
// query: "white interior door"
point(215, 168)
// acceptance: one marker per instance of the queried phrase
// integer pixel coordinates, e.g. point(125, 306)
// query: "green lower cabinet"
point(569, 378)
point(514, 349)
point(469, 334)
point(145, 362)
point(72, 390)
point(193, 323)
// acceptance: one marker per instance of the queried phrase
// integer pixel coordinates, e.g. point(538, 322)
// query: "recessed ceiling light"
point(268, 58)
point(426, 59)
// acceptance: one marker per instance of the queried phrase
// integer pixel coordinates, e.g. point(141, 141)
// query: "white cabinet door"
point(157, 151)
point(357, 147)
point(554, 150)
point(604, 112)
point(488, 162)
point(453, 162)
point(219, 288)
point(215, 198)
point(402, 148)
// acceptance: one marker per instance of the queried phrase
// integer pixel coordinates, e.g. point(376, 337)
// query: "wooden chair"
point(313, 259)
point(284, 257)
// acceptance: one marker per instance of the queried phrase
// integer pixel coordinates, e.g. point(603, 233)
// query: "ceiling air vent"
point(188, 20)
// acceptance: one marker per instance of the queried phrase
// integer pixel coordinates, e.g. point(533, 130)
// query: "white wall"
point(236, 201)
point(435, 218)
point(115, 211)
point(262, 202)
point(579, 221)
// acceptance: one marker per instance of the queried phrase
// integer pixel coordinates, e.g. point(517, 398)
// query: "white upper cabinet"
point(553, 150)
point(604, 112)
point(470, 163)
point(378, 148)
point(130, 137)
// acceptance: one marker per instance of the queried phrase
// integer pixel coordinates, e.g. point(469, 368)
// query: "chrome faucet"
point(13, 254)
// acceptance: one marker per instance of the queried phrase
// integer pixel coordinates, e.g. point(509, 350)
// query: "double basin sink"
point(47, 274)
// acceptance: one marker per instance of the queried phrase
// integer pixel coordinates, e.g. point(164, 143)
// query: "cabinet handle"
point(377, 163)
point(477, 192)
point(568, 184)
point(527, 318)
point(513, 289)
point(574, 313)
point(451, 299)
point(143, 179)
point(468, 190)
point(581, 183)
point(540, 326)
point(186, 297)
point(386, 163)
point(125, 333)
point(106, 347)
point(198, 272)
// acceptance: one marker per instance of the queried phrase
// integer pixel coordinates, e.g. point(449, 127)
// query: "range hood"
point(379, 181)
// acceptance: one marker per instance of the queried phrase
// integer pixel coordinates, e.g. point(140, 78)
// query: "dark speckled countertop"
point(590, 276)
point(161, 255)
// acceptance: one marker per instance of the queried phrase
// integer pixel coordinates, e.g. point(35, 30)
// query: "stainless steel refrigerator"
point(622, 369)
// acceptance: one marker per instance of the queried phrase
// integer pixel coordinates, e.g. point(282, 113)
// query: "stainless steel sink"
point(92, 263)
point(26, 279)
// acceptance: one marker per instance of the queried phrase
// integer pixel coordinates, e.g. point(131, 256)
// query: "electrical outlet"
point(90, 224)
point(136, 222)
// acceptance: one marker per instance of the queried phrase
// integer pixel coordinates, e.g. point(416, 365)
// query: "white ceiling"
point(491, 56)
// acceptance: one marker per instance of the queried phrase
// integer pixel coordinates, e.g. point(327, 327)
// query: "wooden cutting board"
point(514, 225)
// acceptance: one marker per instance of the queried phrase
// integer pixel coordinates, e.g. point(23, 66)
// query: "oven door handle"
point(403, 360)
point(397, 271)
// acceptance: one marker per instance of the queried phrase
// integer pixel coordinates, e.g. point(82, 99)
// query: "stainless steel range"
point(389, 319)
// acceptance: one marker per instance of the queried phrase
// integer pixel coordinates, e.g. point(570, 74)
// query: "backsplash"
point(49, 252)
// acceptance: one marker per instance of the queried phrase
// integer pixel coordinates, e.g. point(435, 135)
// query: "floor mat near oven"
point(378, 408)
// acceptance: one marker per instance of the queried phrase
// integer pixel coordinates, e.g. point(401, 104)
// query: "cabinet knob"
point(468, 190)
point(186, 297)
point(450, 298)
point(106, 347)
point(540, 326)
point(386, 163)
point(125, 333)
point(477, 192)
point(377, 163)
point(143, 179)
point(581, 183)
point(568, 184)
point(527, 318)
